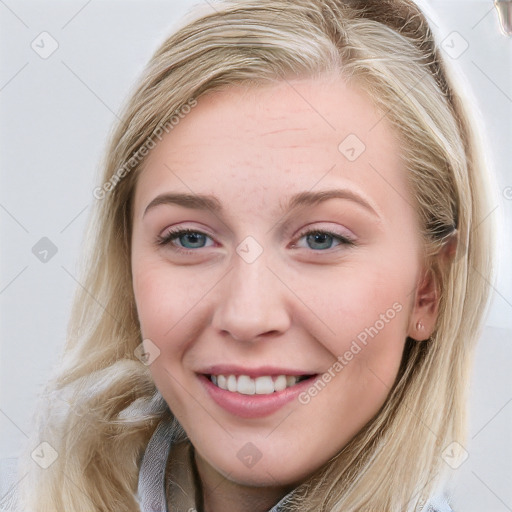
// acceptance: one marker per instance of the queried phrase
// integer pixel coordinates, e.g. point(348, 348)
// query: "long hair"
point(101, 408)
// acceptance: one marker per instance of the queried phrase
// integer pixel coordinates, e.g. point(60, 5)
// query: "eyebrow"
point(302, 199)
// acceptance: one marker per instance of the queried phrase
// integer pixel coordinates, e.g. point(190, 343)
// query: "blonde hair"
point(102, 407)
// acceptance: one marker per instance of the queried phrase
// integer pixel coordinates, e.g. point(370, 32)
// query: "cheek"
point(153, 297)
point(161, 303)
point(162, 312)
point(354, 304)
point(172, 308)
point(365, 312)
point(369, 318)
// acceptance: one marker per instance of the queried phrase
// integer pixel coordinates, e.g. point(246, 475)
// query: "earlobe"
point(421, 333)
point(419, 326)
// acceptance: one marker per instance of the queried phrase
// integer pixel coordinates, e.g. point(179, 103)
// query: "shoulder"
point(8, 484)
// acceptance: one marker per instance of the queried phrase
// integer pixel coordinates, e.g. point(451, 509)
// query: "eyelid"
point(175, 228)
point(343, 233)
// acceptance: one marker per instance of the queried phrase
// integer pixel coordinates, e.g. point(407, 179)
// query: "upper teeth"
point(248, 386)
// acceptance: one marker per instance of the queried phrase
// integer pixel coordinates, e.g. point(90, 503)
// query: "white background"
point(55, 116)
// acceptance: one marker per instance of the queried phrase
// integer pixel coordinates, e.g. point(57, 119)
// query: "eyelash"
point(177, 233)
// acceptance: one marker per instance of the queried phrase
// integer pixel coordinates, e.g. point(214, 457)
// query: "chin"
point(266, 472)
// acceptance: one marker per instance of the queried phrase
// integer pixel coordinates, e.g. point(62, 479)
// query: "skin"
point(302, 302)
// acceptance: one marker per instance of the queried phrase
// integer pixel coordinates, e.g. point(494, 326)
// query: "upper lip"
point(230, 369)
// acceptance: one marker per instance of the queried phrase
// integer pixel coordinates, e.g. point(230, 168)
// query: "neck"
point(221, 494)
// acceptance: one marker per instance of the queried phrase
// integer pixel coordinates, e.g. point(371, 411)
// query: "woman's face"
point(275, 281)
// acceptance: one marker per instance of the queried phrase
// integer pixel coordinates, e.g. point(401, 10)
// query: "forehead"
point(271, 141)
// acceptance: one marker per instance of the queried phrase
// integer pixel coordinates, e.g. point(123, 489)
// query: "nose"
point(252, 302)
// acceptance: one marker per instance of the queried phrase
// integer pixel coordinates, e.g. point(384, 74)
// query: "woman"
point(284, 281)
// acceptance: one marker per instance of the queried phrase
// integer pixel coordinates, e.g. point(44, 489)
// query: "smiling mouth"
point(263, 385)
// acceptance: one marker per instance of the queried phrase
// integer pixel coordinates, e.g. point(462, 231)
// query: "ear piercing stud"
point(419, 326)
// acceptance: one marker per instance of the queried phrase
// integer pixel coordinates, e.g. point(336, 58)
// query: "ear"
point(426, 307)
point(428, 293)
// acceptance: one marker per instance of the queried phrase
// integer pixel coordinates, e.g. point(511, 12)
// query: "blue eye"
point(195, 238)
point(192, 239)
point(324, 239)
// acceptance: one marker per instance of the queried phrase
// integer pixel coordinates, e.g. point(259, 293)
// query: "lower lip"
point(253, 406)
